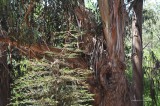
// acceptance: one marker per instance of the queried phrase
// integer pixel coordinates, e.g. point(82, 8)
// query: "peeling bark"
point(111, 84)
point(112, 89)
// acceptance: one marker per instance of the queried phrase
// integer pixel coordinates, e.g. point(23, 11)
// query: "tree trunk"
point(137, 54)
point(4, 76)
point(113, 89)
point(4, 71)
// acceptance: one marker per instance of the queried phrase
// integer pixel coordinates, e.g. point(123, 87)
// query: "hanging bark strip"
point(112, 14)
point(28, 12)
point(137, 53)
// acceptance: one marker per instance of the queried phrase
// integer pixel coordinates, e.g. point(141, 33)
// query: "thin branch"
point(146, 45)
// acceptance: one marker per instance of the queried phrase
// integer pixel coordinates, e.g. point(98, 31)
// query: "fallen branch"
point(40, 50)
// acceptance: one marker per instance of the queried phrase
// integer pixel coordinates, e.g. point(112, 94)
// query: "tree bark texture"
point(4, 76)
point(137, 99)
point(112, 87)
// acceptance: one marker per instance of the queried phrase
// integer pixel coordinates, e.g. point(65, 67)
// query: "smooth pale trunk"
point(137, 99)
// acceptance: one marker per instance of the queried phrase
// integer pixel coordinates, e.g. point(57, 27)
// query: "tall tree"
point(4, 71)
point(4, 76)
point(137, 53)
point(112, 76)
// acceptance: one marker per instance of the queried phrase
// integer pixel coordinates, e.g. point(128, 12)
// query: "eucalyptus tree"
point(42, 24)
point(112, 73)
point(137, 53)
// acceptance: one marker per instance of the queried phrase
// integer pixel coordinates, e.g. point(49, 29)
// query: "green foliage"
point(45, 20)
point(151, 27)
point(41, 83)
point(151, 78)
point(93, 6)
point(47, 84)
point(151, 54)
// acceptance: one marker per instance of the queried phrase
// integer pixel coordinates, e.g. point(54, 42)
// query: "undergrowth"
point(45, 83)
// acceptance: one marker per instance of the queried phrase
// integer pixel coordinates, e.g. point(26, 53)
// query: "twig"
point(146, 45)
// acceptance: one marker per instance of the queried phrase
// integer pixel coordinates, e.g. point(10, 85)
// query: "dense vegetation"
point(42, 83)
point(51, 51)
